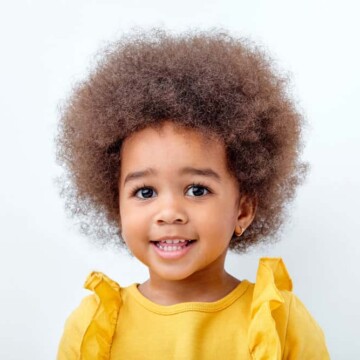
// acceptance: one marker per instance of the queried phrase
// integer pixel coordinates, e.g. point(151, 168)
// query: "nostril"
point(171, 220)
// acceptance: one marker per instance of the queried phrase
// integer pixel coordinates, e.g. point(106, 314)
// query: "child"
point(181, 148)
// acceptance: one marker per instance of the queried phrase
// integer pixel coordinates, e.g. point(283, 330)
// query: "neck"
point(206, 285)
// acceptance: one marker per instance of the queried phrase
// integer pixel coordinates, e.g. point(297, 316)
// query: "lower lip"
point(175, 254)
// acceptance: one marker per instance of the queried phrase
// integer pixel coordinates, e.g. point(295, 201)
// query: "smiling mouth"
point(172, 246)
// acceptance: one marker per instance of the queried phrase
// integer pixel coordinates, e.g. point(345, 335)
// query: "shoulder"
point(280, 323)
point(304, 338)
point(93, 320)
point(75, 327)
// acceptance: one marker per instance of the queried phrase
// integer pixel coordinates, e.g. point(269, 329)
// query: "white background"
point(47, 45)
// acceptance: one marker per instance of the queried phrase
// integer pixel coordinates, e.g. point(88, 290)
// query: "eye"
point(198, 190)
point(144, 192)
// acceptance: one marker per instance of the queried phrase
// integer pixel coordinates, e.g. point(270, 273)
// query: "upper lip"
point(172, 237)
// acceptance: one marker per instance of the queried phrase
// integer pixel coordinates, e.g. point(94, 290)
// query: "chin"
point(173, 275)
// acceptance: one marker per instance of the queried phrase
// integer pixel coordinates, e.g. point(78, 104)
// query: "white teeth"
point(165, 245)
point(174, 241)
point(170, 248)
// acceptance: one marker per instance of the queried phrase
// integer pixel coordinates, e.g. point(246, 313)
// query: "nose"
point(171, 211)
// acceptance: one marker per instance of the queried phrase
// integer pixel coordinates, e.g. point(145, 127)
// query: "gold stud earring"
point(238, 230)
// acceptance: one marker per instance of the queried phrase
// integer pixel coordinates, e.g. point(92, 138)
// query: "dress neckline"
point(212, 306)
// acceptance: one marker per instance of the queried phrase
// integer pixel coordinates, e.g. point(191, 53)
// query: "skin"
point(169, 204)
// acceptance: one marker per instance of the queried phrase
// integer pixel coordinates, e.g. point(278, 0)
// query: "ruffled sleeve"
point(281, 332)
point(263, 338)
point(89, 330)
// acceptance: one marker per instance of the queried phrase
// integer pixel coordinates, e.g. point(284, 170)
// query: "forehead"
point(172, 146)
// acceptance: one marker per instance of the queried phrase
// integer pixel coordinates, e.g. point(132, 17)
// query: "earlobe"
point(238, 230)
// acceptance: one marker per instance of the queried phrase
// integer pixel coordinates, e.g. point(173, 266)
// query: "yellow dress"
point(261, 321)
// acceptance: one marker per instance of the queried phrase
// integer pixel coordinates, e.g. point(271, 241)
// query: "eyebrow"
point(184, 171)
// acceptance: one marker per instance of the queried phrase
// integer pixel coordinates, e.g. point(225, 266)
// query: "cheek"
point(217, 217)
point(134, 222)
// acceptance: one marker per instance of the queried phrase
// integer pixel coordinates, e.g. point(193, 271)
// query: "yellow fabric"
point(261, 321)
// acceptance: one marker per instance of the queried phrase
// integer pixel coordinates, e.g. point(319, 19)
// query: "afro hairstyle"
point(206, 80)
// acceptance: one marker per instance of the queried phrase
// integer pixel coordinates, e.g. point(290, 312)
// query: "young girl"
point(182, 148)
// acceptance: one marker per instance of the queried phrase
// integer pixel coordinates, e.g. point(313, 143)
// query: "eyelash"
point(198, 184)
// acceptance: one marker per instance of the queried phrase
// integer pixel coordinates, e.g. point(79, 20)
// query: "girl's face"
point(174, 186)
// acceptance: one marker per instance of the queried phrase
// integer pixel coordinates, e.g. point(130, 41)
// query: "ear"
point(246, 211)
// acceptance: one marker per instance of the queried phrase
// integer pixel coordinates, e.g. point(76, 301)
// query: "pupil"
point(146, 192)
point(198, 191)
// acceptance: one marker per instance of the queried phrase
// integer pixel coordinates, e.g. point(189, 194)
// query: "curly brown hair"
point(205, 80)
